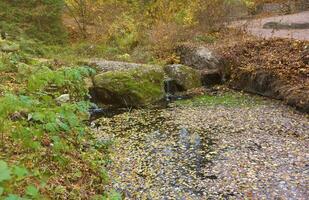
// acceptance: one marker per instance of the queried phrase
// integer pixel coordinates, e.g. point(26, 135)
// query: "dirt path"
point(237, 148)
point(255, 27)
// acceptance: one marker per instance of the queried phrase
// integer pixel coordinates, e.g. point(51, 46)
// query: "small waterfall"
point(168, 87)
point(171, 89)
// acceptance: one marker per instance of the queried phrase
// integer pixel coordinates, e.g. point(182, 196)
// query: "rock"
point(7, 46)
point(210, 64)
point(185, 77)
point(200, 58)
point(96, 113)
point(63, 99)
point(211, 77)
point(134, 86)
point(107, 66)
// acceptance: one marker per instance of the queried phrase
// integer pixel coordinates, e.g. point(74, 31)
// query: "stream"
point(209, 152)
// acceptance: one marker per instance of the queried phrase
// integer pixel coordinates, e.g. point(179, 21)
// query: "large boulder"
point(200, 58)
point(137, 85)
point(213, 68)
point(185, 77)
point(107, 66)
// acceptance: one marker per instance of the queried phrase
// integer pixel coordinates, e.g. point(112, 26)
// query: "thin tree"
point(80, 12)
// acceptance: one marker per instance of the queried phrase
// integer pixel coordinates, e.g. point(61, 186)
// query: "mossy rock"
point(186, 77)
point(7, 46)
point(134, 87)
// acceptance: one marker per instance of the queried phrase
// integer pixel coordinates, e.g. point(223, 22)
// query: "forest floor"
point(228, 145)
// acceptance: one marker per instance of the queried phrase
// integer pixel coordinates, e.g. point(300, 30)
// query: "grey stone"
point(185, 77)
point(107, 66)
point(200, 58)
point(63, 99)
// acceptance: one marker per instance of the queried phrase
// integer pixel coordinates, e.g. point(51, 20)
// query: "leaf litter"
point(209, 152)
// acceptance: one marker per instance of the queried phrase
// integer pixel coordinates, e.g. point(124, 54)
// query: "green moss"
point(135, 87)
point(228, 99)
point(185, 77)
point(193, 79)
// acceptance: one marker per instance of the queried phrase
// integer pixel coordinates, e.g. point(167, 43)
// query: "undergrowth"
point(34, 19)
point(46, 149)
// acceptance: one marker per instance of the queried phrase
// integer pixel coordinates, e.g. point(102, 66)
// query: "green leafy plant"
point(5, 172)
point(14, 175)
point(47, 135)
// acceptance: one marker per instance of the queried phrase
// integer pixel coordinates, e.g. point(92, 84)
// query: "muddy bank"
point(268, 84)
point(275, 68)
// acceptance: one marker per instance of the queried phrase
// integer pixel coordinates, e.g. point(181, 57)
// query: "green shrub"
point(123, 33)
point(9, 61)
point(32, 47)
point(65, 80)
